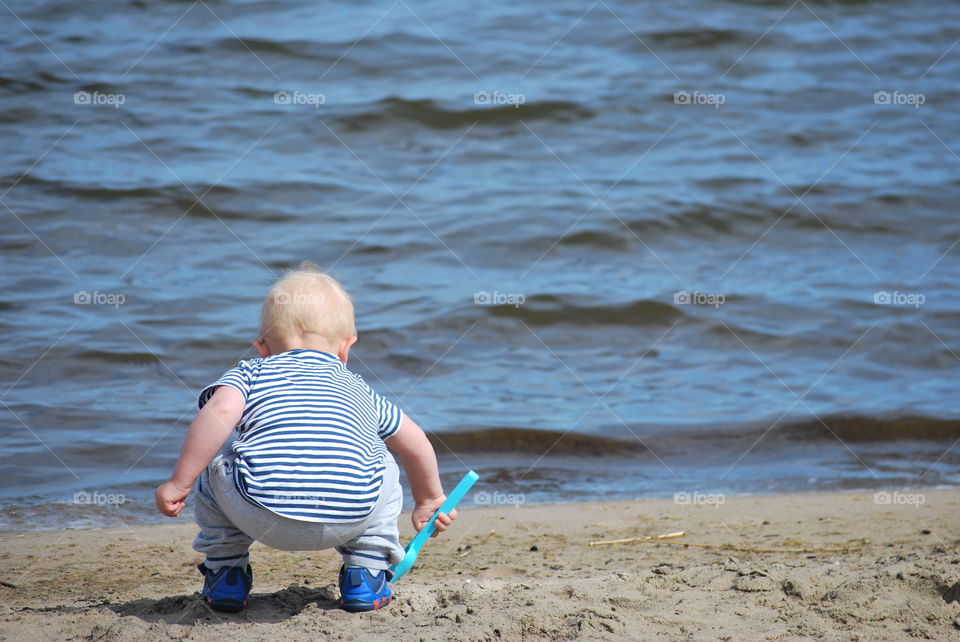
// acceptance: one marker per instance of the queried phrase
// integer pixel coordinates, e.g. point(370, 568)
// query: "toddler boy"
point(310, 469)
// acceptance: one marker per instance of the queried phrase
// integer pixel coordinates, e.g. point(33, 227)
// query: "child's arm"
point(416, 455)
point(208, 432)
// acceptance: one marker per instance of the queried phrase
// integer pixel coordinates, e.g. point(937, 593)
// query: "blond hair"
point(306, 300)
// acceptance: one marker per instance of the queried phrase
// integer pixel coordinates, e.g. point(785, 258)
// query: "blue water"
point(585, 164)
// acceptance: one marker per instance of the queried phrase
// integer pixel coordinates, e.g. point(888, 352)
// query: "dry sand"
point(834, 566)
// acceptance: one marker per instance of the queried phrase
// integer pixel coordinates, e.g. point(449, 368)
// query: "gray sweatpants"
point(229, 524)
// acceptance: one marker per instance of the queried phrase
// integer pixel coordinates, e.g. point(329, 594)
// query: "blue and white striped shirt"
point(311, 436)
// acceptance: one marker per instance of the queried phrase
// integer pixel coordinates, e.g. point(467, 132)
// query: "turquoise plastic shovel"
point(413, 548)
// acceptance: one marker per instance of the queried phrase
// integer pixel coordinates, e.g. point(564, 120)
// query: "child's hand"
point(170, 498)
point(423, 511)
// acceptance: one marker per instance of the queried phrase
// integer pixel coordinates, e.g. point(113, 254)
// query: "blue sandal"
point(227, 588)
point(364, 590)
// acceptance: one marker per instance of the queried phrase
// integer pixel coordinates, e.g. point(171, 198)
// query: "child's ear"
point(262, 348)
point(344, 350)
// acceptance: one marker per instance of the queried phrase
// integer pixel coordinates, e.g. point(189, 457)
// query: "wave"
point(329, 50)
point(547, 309)
point(216, 201)
point(129, 358)
point(39, 80)
point(431, 114)
point(863, 428)
point(703, 38)
point(875, 214)
point(301, 49)
point(526, 440)
point(21, 85)
point(848, 428)
point(598, 239)
point(107, 192)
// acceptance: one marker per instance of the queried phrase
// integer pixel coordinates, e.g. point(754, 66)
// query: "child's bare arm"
point(418, 459)
point(208, 432)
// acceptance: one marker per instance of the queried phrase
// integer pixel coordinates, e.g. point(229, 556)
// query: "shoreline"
point(470, 506)
point(765, 567)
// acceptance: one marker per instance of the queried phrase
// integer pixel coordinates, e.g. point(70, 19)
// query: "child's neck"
point(306, 342)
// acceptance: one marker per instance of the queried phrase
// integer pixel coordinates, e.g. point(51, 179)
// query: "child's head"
point(306, 308)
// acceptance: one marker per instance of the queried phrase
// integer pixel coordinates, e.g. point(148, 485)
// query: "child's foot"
point(227, 588)
point(364, 590)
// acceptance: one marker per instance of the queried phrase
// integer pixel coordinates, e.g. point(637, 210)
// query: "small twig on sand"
point(727, 547)
point(7, 584)
point(648, 538)
point(751, 549)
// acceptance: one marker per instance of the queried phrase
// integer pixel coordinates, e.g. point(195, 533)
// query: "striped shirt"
point(311, 436)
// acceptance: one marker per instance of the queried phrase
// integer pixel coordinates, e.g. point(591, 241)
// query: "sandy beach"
point(837, 566)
